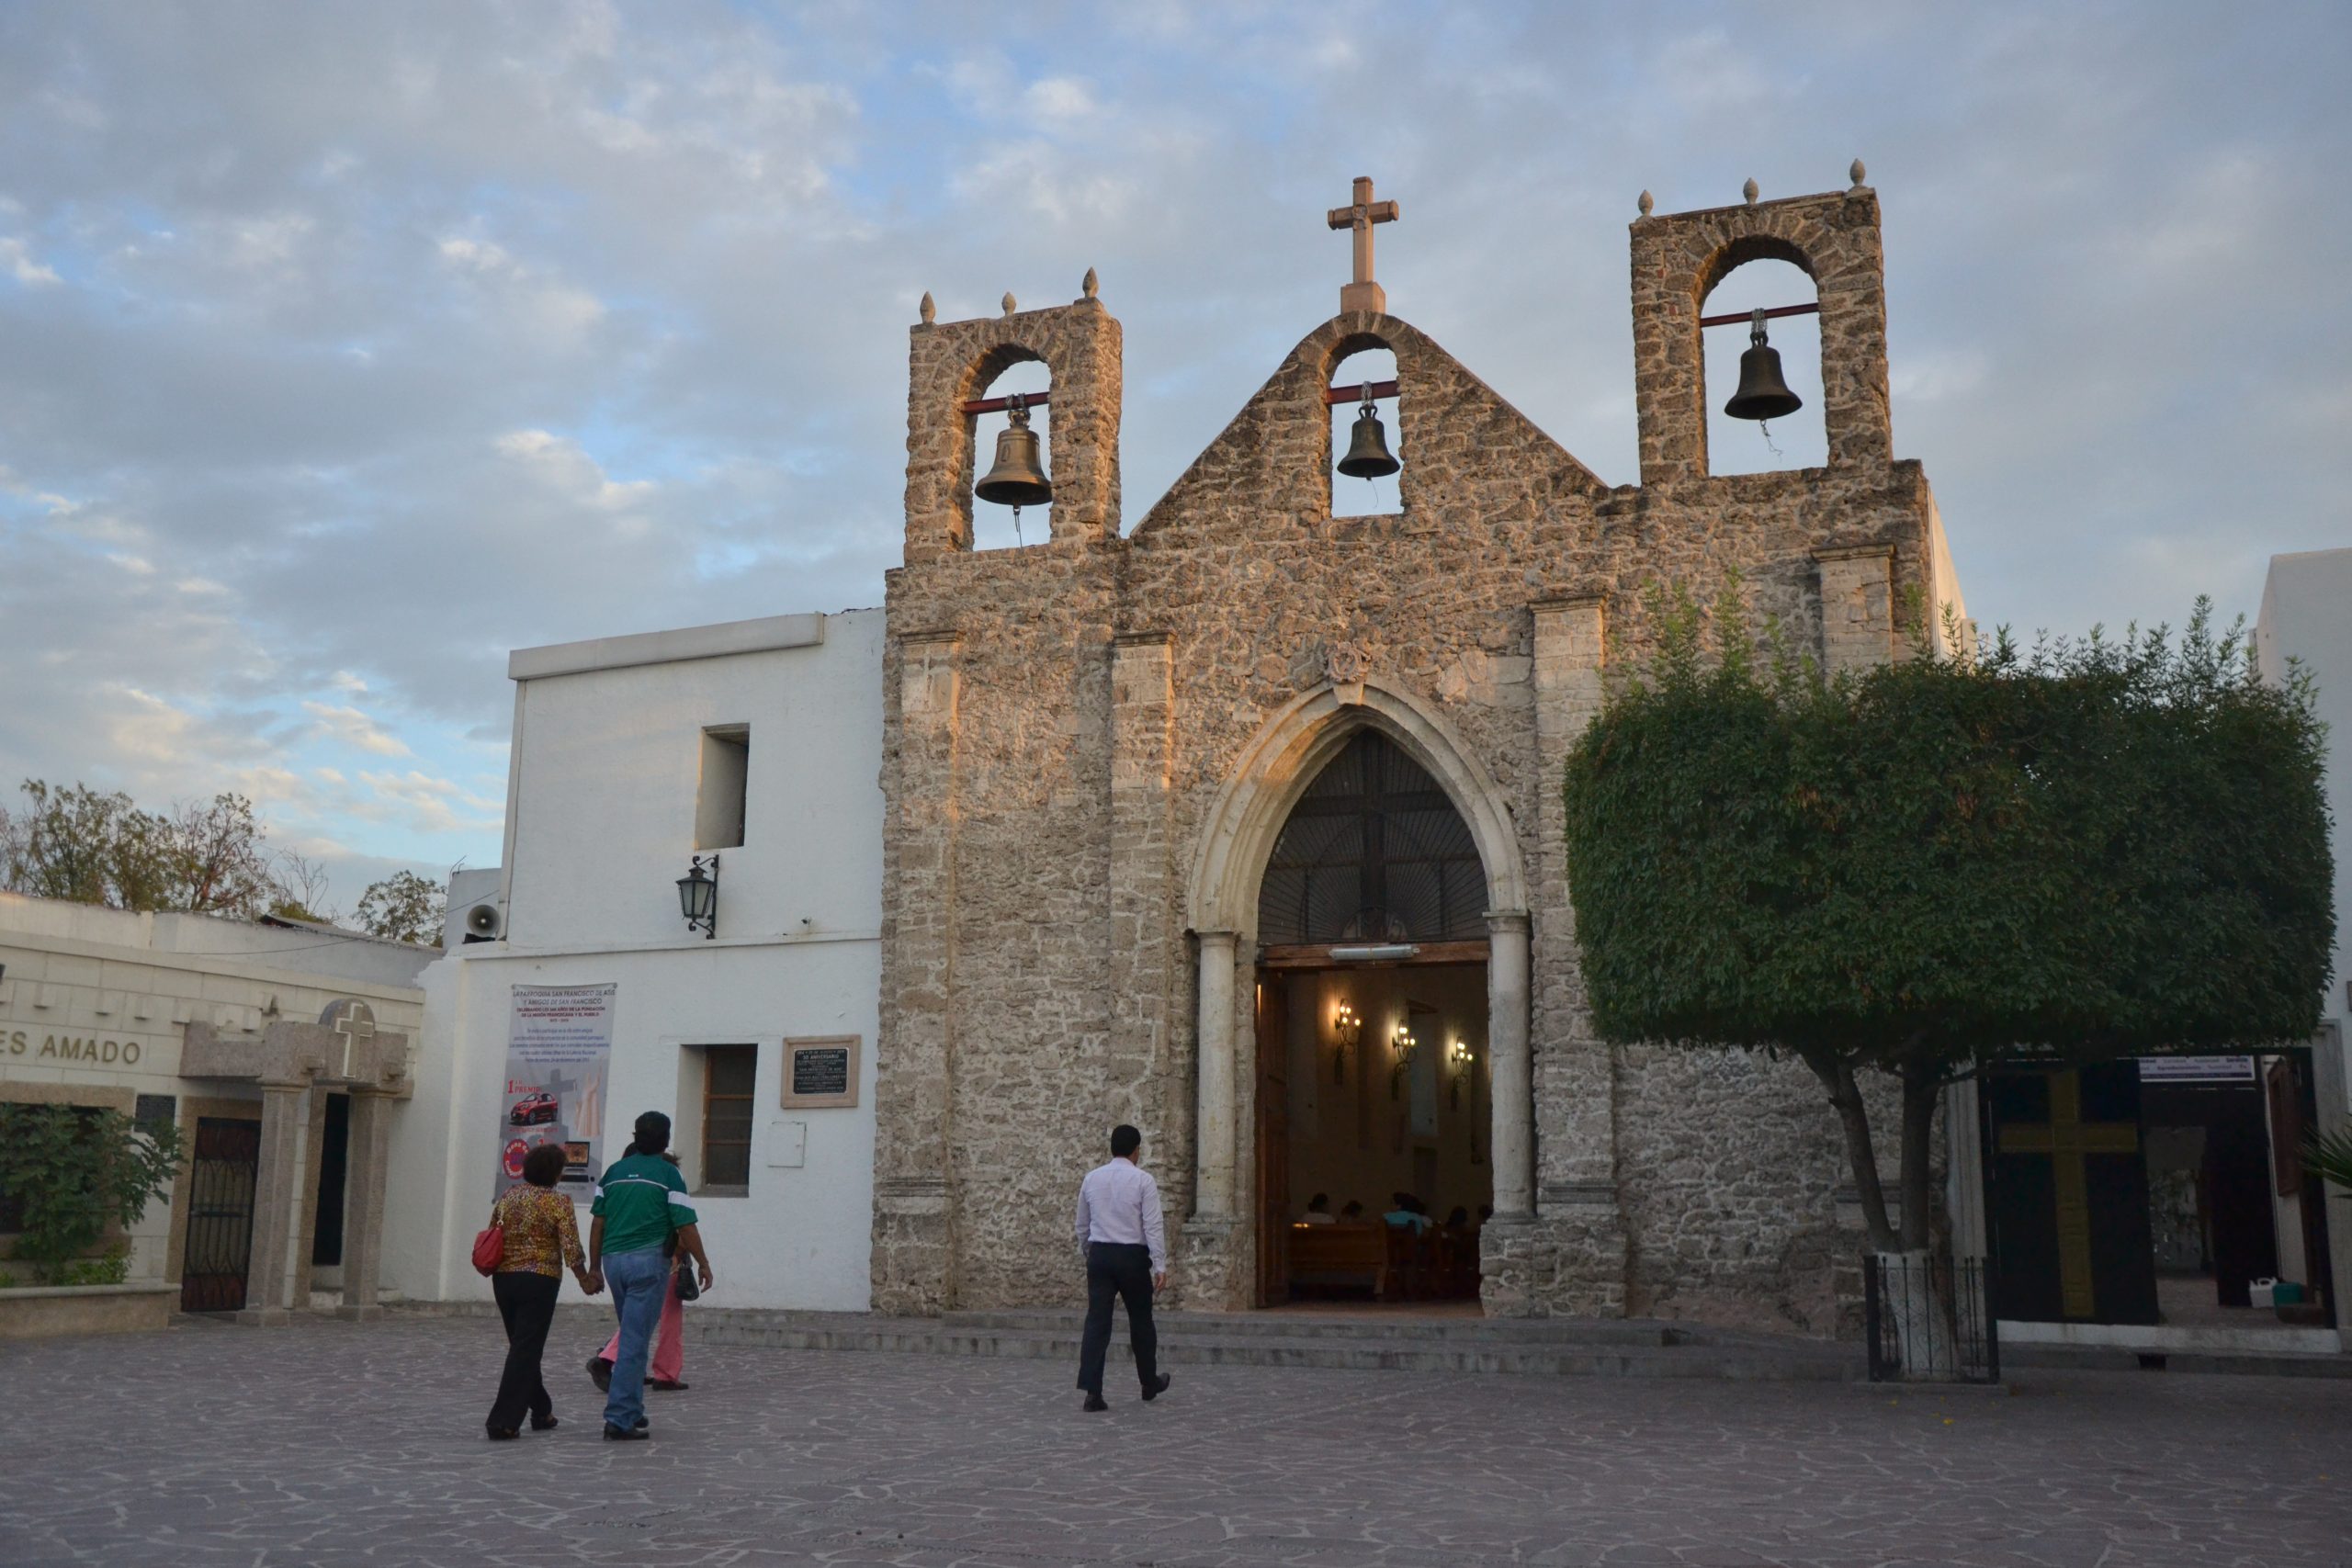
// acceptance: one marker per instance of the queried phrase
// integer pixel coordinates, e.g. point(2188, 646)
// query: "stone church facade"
point(1091, 744)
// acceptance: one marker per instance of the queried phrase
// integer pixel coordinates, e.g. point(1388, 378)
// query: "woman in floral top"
point(542, 1240)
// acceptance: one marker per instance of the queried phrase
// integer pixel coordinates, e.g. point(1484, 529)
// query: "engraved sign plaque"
point(820, 1072)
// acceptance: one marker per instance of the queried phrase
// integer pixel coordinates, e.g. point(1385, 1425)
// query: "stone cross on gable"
point(1364, 293)
point(356, 1022)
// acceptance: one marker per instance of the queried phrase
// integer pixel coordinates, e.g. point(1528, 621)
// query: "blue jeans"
point(636, 1281)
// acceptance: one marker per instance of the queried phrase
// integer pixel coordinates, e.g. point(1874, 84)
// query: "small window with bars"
point(729, 1074)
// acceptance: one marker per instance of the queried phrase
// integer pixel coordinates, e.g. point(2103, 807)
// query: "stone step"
point(1369, 1327)
point(2114, 1359)
point(1557, 1348)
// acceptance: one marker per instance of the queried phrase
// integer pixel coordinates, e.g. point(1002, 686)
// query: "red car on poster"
point(531, 1109)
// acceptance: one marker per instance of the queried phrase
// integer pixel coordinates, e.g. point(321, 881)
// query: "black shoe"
point(1093, 1402)
point(615, 1435)
point(600, 1373)
point(643, 1425)
point(501, 1433)
point(675, 1385)
point(1153, 1391)
point(543, 1423)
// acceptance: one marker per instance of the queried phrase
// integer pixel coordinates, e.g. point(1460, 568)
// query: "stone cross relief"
point(356, 1023)
point(1363, 294)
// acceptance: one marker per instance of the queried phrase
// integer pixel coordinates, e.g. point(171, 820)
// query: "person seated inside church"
point(1459, 1220)
point(1351, 1210)
point(1408, 1212)
point(1318, 1211)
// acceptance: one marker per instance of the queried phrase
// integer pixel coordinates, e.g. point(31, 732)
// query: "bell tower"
point(949, 367)
point(1678, 259)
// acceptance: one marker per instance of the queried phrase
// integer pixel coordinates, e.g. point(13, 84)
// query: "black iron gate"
point(1929, 1319)
point(220, 1214)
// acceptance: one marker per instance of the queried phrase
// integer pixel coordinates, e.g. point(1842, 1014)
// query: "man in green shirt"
point(640, 1209)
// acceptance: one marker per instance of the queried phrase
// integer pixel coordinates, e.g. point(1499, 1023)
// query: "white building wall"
point(93, 1002)
point(608, 750)
point(2307, 617)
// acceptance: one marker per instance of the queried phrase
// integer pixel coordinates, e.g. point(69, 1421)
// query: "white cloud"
point(353, 729)
point(16, 258)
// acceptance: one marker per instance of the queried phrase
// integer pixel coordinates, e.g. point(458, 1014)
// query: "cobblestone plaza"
point(331, 1443)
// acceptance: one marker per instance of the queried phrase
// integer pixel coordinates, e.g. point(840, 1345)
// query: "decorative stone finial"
point(1748, 190)
point(1009, 306)
point(1646, 203)
point(930, 308)
point(1091, 286)
point(1855, 170)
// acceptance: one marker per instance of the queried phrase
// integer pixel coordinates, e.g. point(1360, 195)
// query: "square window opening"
point(730, 1076)
point(726, 778)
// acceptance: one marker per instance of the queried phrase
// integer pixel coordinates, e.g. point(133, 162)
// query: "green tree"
point(404, 907)
point(70, 1171)
point(2093, 849)
point(73, 843)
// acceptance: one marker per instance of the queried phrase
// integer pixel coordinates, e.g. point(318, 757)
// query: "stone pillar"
point(363, 1198)
point(2331, 1097)
point(1569, 1256)
point(1215, 1130)
point(277, 1201)
point(1142, 929)
point(1857, 606)
point(913, 1257)
point(1510, 1064)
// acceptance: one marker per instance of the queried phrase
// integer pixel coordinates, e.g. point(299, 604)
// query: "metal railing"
point(1929, 1319)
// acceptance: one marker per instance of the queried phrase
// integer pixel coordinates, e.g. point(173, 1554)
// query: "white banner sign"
point(559, 1058)
point(2196, 1069)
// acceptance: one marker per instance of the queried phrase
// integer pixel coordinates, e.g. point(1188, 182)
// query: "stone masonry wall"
point(1064, 717)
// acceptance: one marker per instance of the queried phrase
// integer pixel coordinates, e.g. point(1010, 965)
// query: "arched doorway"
point(1230, 1261)
point(1373, 1173)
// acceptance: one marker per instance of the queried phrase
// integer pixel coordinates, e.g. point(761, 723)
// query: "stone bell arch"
point(1270, 776)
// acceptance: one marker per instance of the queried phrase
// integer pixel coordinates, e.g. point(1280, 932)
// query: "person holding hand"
point(542, 1240)
point(641, 1217)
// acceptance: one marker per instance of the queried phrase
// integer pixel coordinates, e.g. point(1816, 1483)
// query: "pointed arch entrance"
point(1340, 765)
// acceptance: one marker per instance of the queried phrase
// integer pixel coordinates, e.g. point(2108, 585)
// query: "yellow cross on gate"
point(2069, 1140)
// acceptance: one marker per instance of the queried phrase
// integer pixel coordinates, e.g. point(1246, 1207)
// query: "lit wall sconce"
point(1461, 1059)
point(698, 896)
point(1345, 1029)
point(1406, 1047)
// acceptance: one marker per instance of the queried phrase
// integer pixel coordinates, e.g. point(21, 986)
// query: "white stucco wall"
point(602, 809)
point(2307, 616)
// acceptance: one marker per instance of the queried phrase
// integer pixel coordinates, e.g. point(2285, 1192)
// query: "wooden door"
point(1274, 1139)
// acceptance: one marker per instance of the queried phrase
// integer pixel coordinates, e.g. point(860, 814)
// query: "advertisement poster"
point(559, 1056)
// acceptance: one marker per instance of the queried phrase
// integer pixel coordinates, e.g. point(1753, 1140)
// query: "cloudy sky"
point(343, 347)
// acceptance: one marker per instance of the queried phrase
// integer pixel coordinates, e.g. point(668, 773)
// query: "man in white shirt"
point(1125, 1244)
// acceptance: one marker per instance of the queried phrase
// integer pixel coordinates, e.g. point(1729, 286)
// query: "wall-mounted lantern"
point(1345, 1029)
point(698, 896)
point(1461, 1058)
point(1406, 1047)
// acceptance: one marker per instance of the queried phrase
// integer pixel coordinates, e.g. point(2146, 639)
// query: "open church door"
point(1274, 1139)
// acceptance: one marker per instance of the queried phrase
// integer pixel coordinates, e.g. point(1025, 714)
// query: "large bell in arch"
point(1368, 455)
point(1763, 390)
point(1019, 477)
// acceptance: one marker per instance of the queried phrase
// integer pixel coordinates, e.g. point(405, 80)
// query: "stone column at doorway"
point(1510, 1064)
point(1214, 1235)
point(278, 1198)
point(363, 1225)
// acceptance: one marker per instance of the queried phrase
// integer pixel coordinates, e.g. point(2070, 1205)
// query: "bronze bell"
point(1368, 455)
point(1763, 392)
point(1019, 479)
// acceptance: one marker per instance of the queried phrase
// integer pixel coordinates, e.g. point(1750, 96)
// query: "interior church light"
point(1460, 1057)
point(1345, 1027)
point(1407, 1048)
point(698, 896)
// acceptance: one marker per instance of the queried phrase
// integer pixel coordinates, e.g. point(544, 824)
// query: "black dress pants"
point(527, 1302)
point(1123, 1271)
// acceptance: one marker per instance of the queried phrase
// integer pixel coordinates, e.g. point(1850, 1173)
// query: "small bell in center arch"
point(1763, 392)
point(1368, 455)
